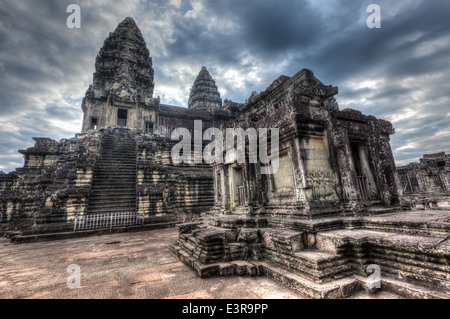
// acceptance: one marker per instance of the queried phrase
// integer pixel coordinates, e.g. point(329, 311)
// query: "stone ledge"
point(19, 239)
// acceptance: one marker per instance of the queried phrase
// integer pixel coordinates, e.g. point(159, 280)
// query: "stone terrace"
point(127, 265)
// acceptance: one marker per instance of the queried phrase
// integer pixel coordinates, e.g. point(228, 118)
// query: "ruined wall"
point(330, 160)
point(52, 186)
point(55, 184)
point(371, 136)
point(171, 117)
point(431, 175)
point(164, 187)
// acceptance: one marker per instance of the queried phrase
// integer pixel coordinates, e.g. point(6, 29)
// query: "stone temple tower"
point(204, 93)
point(122, 82)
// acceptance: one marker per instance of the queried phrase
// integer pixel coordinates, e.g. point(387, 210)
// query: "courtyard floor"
point(125, 265)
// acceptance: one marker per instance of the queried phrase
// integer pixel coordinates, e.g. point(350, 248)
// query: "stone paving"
point(126, 265)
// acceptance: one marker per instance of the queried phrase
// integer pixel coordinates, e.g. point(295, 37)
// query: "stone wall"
point(430, 176)
point(331, 161)
point(164, 187)
point(55, 184)
point(52, 186)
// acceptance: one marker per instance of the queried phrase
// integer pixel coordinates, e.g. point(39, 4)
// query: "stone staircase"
point(420, 261)
point(114, 182)
point(323, 264)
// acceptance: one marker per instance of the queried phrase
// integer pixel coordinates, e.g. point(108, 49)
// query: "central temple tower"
point(123, 81)
point(121, 95)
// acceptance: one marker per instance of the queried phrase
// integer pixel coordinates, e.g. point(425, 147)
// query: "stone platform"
point(328, 257)
point(125, 265)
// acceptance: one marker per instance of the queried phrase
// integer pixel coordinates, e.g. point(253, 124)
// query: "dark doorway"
point(93, 123)
point(149, 128)
point(122, 115)
point(241, 196)
point(361, 178)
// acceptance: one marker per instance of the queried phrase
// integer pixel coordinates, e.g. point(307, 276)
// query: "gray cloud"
point(399, 72)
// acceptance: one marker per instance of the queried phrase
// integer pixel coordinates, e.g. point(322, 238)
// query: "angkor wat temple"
point(121, 161)
point(331, 221)
point(333, 214)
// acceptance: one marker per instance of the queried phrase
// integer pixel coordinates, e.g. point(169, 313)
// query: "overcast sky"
point(400, 72)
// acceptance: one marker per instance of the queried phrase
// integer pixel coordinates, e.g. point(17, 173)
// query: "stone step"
point(115, 180)
point(125, 185)
point(418, 275)
point(285, 240)
point(107, 166)
point(114, 144)
point(405, 289)
point(116, 167)
point(337, 240)
point(112, 171)
point(119, 195)
point(102, 167)
point(317, 259)
point(378, 295)
point(313, 265)
point(115, 171)
point(128, 150)
point(18, 239)
point(112, 160)
point(113, 191)
point(119, 189)
point(341, 288)
point(413, 258)
point(423, 261)
point(108, 193)
point(240, 267)
point(108, 210)
point(112, 210)
point(106, 205)
point(114, 176)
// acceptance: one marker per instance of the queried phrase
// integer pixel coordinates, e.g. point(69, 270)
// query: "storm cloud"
point(400, 72)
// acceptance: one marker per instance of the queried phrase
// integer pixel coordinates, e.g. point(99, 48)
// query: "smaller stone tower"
point(204, 93)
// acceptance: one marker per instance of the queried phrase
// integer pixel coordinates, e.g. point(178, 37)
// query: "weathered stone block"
point(206, 270)
point(248, 235)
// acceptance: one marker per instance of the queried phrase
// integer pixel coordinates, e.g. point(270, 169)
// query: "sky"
point(399, 72)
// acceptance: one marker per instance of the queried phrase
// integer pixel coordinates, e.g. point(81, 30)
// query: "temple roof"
point(197, 113)
point(204, 93)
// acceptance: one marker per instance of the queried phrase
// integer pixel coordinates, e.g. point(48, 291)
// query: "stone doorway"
point(238, 191)
point(122, 115)
point(364, 177)
point(94, 122)
point(148, 128)
point(241, 196)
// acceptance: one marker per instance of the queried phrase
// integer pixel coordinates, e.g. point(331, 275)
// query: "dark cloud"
point(399, 72)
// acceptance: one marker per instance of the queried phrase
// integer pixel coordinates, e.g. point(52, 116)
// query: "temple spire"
point(123, 68)
point(204, 93)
